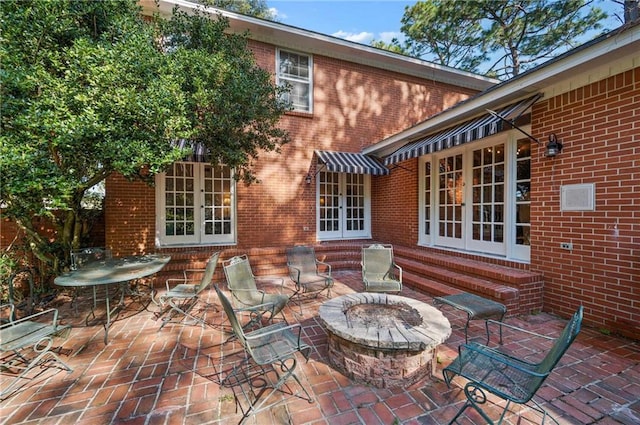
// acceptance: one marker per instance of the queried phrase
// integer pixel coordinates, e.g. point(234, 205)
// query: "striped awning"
point(350, 162)
point(478, 128)
point(199, 153)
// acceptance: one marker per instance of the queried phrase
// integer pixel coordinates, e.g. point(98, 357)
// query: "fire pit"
point(383, 340)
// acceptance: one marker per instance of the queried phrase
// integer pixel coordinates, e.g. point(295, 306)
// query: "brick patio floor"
point(173, 376)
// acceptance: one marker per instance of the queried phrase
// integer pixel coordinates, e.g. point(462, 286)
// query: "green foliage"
point(257, 8)
point(90, 89)
point(233, 107)
point(8, 265)
point(514, 34)
point(447, 30)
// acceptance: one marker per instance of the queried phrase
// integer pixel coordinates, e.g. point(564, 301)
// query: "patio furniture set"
point(354, 322)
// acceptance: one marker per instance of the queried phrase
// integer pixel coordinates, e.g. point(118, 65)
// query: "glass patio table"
point(112, 271)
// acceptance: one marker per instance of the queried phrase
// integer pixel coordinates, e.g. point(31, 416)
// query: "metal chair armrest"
point(516, 328)
point(276, 329)
point(12, 310)
point(399, 275)
point(178, 281)
point(269, 306)
point(327, 265)
point(40, 314)
point(294, 274)
point(271, 281)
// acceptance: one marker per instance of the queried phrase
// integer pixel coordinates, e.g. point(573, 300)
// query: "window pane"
point(294, 70)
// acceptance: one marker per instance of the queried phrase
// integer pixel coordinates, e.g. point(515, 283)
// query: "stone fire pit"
point(383, 340)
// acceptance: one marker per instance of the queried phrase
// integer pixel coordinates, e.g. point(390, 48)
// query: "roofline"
point(325, 45)
point(601, 50)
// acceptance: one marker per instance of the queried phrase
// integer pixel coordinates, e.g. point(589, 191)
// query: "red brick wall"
point(599, 126)
point(395, 205)
point(354, 106)
point(10, 235)
point(130, 216)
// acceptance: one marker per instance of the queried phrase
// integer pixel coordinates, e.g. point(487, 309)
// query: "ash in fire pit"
point(383, 340)
point(383, 316)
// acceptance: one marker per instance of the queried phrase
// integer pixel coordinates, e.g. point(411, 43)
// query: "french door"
point(343, 206)
point(464, 195)
point(450, 201)
point(487, 205)
point(195, 205)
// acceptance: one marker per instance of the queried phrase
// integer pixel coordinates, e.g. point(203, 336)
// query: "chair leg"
point(43, 352)
point(476, 397)
point(288, 372)
point(250, 377)
point(184, 308)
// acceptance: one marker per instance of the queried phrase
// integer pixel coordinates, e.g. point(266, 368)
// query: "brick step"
point(509, 275)
point(431, 270)
point(463, 282)
point(426, 285)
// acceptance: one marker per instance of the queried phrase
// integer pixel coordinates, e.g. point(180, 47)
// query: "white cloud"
point(387, 36)
point(277, 14)
point(361, 37)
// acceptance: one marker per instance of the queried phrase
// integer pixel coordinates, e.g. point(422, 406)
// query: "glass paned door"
point(180, 201)
point(329, 205)
point(450, 201)
point(217, 204)
point(522, 196)
point(195, 205)
point(477, 198)
point(343, 206)
point(488, 199)
point(354, 203)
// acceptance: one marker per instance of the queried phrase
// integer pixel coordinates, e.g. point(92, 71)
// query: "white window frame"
point(199, 238)
point(282, 78)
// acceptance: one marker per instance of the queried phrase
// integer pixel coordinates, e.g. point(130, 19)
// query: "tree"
point(90, 89)
point(501, 38)
point(257, 8)
point(630, 10)
point(446, 30)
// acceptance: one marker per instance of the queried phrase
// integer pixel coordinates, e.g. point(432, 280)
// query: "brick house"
point(346, 96)
point(448, 166)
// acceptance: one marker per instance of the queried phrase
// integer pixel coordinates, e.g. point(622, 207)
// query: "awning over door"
point(199, 151)
point(350, 162)
point(475, 129)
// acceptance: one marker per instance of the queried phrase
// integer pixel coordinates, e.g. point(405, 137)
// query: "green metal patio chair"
point(245, 295)
point(179, 300)
point(270, 361)
point(310, 275)
point(27, 343)
point(379, 271)
point(513, 379)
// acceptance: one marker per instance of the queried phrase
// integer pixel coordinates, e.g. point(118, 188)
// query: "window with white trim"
point(195, 205)
point(295, 70)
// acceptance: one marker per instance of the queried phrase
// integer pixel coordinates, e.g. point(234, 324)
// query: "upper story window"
point(295, 69)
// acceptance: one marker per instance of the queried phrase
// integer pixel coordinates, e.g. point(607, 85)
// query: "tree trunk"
point(631, 10)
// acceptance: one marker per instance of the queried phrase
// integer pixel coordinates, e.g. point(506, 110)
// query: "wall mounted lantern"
point(554, 147)
point(307, 179)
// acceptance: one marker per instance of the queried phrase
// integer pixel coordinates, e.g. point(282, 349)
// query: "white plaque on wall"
point(578, 197)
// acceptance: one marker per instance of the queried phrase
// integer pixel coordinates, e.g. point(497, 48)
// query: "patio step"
point(430, 270)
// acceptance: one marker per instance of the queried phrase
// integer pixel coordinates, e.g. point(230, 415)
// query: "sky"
point(360, 20)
